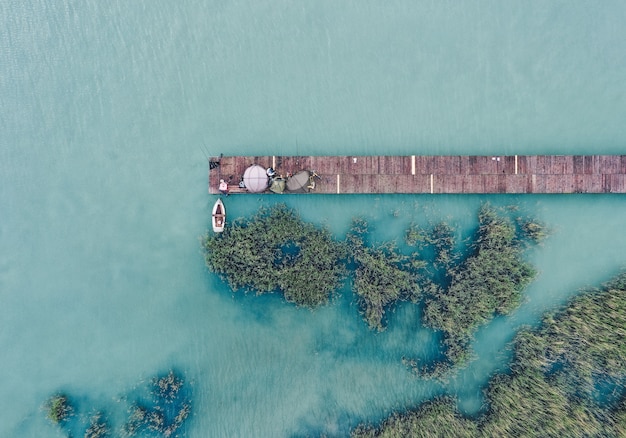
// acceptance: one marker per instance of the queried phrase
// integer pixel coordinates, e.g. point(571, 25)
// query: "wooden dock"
point(438, 174)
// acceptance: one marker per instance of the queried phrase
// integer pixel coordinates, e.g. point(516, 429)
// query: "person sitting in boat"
point(223, 187)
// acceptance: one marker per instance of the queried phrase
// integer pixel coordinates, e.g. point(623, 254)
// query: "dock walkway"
point(438, 174)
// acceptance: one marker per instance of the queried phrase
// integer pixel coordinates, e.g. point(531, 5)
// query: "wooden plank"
point(508, 165)
point(422, 165)
point(522, 165)
point(610, 164)
point(578, 164)
point(516, 183)
point(591, 165)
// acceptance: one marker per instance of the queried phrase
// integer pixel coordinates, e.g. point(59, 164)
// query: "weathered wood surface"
point(440, 174)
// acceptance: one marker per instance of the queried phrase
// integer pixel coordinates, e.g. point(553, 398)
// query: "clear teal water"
point(105, 109)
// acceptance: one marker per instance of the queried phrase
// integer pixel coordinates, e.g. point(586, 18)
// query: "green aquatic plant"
point(557, 368)
point(488, 282)
point(58, 408)
point(277, 251)
point(382, 275)
point(167, 387)
point(415, 235)
point(527, 404)
point(163, 414)
point(137, 420)
point(533, 229)
point(442, 239)
point(171, 406)
point(436, 418)
point(583, 343)
point(166, 413)
point(98, 427)
point(586, 339)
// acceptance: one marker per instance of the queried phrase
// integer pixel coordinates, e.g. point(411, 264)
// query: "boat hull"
point(218, 216)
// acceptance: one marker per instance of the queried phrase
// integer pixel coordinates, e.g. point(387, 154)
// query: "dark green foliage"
point(440, 370)
point(163, 414)
point(170, 407)
point(58, 408)
point(586, 339)
point(488, 282)
point(533, 230)
point(415, 235)
point(382, 275)
point(276, 251)
point(619, 419)
point(526, 404)
point(444, 243)
point(583, 343)
point(437, 418)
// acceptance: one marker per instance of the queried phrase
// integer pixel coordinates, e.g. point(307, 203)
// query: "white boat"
point(219, 216)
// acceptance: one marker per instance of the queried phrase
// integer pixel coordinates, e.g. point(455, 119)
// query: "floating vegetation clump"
point(161, 412)
point(277, 251)
point(584, 342)
point(382, 275)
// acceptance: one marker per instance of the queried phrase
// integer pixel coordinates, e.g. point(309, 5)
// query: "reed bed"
point(276, 251)
point(552, 390)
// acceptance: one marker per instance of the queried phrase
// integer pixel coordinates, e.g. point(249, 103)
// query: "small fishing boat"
point(219, 216)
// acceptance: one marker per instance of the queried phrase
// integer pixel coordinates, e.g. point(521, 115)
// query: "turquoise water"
point(106, 108)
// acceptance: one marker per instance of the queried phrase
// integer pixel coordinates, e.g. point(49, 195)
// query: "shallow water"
point(107, 111)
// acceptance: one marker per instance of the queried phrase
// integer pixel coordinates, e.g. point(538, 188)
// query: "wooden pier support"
point(439, 174)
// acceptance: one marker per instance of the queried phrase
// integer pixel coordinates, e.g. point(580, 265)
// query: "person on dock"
point(223, 187)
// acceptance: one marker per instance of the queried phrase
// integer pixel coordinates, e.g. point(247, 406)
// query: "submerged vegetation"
point(277, 251)
point(161, 412)
point(488, 282)
point(436, 418)
point(460, 289)
point(98, 427)
point(166, 412)
point(382, 275)
point(58, 409)
point(555, 387)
